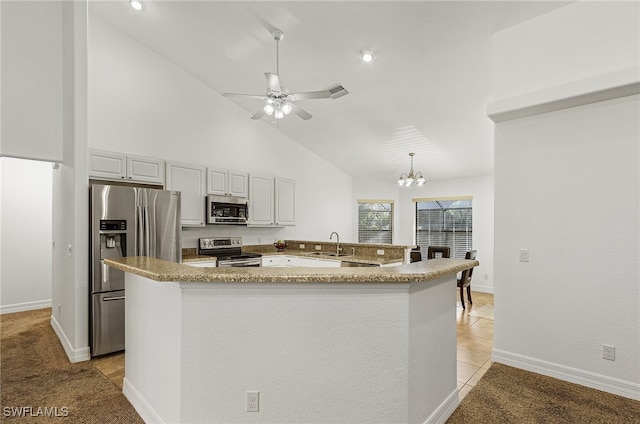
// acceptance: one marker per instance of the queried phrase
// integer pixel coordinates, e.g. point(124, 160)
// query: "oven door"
point(249, 262)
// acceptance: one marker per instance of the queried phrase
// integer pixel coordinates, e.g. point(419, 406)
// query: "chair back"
point(416, 256)
point(468, 273)
point(444, 251)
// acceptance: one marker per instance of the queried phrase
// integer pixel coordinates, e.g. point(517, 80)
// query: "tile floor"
point(474, 334)
point(475, 340)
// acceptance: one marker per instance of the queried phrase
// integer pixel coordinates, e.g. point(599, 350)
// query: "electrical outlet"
point(318, 247)
point(380, 252)
point(301, 246)
point(253, 401)
point(524, 255)
point(609, 352)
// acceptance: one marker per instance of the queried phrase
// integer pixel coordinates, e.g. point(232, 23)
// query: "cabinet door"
point(238, 183)
point(217, 181)
point(148, 170)
point(261, 201)
point(285, 202)
point(190, 180)
point(107, 165)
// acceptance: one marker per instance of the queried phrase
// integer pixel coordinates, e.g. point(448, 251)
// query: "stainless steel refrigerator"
point(125, 221)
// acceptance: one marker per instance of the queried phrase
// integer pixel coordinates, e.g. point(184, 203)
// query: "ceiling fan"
point(278, 101)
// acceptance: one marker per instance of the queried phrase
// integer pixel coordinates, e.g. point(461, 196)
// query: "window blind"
point(375, 221)
point(445, 223)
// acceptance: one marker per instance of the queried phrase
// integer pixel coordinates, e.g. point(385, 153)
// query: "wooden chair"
point(416, 256)
point(465, 279)
point(445, 252)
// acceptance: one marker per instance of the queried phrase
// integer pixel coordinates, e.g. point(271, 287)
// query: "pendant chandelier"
point(411, 178)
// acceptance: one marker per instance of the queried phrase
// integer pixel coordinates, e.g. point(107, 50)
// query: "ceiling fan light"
point(287, 108)
point(136, 4)
point(268, 109)
point(279, 114)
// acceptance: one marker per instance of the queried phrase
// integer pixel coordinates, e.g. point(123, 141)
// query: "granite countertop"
point(164, 271)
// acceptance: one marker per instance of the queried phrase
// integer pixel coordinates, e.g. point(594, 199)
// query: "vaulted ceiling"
point(425, 91)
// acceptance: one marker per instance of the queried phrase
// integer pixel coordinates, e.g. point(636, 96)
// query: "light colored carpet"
point(39, 384)
point(510, 395)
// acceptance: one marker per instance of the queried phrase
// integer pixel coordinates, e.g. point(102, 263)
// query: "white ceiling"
point(425, 92)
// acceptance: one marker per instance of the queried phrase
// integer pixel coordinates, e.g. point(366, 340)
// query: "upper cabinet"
point(261, 210)
point(225, 182)
point(116, 166)
point(190, 180)
point(271, 201)
point(285, 201)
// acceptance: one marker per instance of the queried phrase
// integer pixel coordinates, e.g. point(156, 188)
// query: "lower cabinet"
point(296, 261)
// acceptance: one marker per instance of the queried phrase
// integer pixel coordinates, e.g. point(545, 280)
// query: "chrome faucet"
point(337, 242)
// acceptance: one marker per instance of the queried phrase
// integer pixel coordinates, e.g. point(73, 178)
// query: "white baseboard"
point(572, 375)
point(481, 288)
point(146, 411)
point(26, 306)
point(444, 411)
point(74, 355)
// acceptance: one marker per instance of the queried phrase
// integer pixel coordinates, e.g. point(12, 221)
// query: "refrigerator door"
point(107, 332)
point(109, 204)
point(158, 224)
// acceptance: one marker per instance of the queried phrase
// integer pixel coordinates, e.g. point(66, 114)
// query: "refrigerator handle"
point(141, 231)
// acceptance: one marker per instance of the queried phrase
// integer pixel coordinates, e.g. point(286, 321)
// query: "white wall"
point(567, 187)
point(141, 104)
point(597, 37)
point(25, 236)
point(31, 79)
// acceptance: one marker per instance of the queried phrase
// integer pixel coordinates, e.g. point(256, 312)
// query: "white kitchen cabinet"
point(271, 201)
point(225, 182)
point(117, 166)
point(278, 261)
point(285, 202)
point(261, 198)
point(190, 180)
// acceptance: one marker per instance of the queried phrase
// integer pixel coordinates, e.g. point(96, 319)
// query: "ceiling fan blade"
point(300, 112)
point(259, 114)
point(250, 96)
point(274, 82)
point(325, 94)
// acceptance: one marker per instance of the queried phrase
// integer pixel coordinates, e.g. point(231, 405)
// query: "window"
point(375, 221)
point(444, 222)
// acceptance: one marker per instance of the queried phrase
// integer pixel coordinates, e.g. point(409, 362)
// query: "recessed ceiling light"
point(136, 4)
point(367, 55)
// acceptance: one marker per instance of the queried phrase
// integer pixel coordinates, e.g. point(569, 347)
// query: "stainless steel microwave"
point(226, 210)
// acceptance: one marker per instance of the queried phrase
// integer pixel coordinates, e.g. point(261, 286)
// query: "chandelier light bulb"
point(411, 178)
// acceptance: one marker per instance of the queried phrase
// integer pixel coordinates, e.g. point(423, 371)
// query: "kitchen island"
point(374, 345)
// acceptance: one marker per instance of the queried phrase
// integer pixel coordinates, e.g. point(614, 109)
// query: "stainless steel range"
point(228, 251)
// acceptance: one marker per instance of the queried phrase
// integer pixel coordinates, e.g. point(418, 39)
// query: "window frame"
point(448, 236)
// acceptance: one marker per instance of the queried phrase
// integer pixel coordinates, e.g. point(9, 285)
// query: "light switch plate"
point(524, 255)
